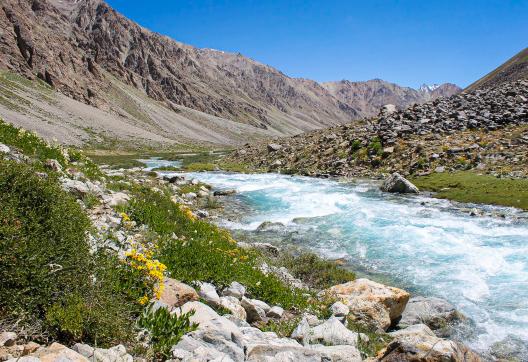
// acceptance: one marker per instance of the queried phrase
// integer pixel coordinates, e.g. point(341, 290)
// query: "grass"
point(376, 341)
point(469, 186)
point(313, 270)
point(32, 145)
point(118, 161)
point(196, 250)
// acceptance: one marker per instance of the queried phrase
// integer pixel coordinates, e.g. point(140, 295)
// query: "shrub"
point(165, 329)
point(315, 271)
point(375, 146)
point(44, 254)
point(48, 273)
point(355, 145)
point(200, 166)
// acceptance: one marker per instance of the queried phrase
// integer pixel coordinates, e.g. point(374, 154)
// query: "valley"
point(166, 202)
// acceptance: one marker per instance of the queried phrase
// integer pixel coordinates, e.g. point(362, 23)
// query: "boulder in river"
point(399, 184)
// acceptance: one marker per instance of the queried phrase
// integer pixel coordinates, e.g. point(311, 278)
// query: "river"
point(430, 247)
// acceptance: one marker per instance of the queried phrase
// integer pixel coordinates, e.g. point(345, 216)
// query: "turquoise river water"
point(432, 247)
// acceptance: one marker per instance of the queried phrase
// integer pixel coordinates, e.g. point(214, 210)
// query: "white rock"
point(275, 312)
point(235, 289)
point(332, 332)
point(254, 312)
point(399, 184)
point(342, 353)
point(208, 293)
point(4, 148)
point(7, 339)
point(233, 305)
point(339, 309)
point(114, 354)
point(116, 199)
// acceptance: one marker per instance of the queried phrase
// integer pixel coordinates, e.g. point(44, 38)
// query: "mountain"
point(98, 78)
point(369, 96)
point(513, 69)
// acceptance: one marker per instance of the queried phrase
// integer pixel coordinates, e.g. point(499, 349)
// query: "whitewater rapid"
point(478, 263)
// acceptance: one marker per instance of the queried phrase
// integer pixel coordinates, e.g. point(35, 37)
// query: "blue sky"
point(407, 42)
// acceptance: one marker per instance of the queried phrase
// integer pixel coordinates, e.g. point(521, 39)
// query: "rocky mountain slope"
point(485, 129)
point(144, 88)
point(514, 69)
point(369, 96)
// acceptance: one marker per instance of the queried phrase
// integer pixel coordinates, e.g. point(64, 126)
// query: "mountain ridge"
point(85, 50)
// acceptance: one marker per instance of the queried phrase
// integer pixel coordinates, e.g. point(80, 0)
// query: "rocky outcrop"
point(436, 313)
point(371, 303)
point(219, 338)
point(419, 344)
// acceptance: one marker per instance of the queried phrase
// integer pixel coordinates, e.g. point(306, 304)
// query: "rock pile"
point(488, 108)
point(486, 130)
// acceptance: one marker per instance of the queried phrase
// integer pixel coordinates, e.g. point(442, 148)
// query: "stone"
point(339, 309)
point(273, 147)
point(208, 293)
point(265, 247)
point(29, 348)
point(56, 353)
point(399, 184)
point(332, 332)
point(113, 354)
point(4, 148)
point(202, 193)
point(511, 348)
point(419, 343)
point(116, 199)
point(190, 196)
point(269, 226)
point(266, 346)
point(388, 109)
point(176, 294)
point(341, 353)
point(7, 339)
point(235, 289)
point(371, 303)
point(192, 348)
point(275, 312)
point(75, 187)
point(436, 313)
point(233, 305)
point(53, 165)
point(440, 169)
point(255, 313)
point(209, 321)
point(388, 150)
point(224, 192)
